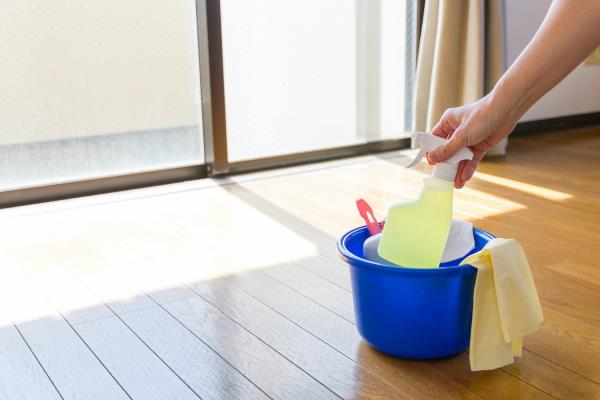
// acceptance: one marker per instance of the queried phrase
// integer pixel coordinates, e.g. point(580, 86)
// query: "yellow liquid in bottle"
point(416, 232)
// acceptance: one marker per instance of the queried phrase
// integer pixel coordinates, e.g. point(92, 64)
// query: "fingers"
point(445, 128)
point(466, 169)
point(458, 183)
point(442, 129)
point(466, 173)
point(447, 150)
point(446, 125)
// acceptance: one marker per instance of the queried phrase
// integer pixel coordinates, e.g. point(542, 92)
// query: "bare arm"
point(569, 33)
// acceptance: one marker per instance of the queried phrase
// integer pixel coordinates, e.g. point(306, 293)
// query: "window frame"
point(212, 94)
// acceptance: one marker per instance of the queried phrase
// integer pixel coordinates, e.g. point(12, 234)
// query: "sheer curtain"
point(461, 56)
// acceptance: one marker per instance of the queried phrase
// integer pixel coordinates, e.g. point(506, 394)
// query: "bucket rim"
point(360, 262)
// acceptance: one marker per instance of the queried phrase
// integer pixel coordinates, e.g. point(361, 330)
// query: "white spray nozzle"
point(445, 170)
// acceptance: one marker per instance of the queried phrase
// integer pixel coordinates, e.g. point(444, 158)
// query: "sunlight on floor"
point(472, 204)
point(548, 194)
point(120, 251)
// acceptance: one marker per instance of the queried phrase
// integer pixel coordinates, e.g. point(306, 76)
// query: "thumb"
point(447, 150)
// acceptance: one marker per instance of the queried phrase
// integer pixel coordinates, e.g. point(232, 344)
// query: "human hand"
point(479, 126)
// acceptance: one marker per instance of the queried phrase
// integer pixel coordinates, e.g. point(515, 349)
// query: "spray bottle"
point(416, 232)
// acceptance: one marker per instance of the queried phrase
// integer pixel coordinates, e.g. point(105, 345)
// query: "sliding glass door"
point(114, 94)
point(315, 74)
point(97, 88)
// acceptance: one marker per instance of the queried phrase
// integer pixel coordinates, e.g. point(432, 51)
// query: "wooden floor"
point(232, 289)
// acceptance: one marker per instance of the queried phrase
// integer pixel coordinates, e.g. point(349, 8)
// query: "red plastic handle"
point(366, 212)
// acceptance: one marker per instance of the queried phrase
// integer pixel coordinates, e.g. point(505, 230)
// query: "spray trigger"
point(428, 142)
point(445, 170)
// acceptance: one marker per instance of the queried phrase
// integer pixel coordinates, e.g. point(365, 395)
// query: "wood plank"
point(344, 377)
point(570, 327)
point(552, 378)
point(149, 263)
point(574, 296)
point(334, 271)
point(220, 380)
point(565, 348)
point(573, 352)
point(113, 285)
point(21, 375)
point(105, 279)
point(298, 279)
point(204, 370)
point(268, 369)
point(73, 368)
point(66, 292)
point(140, 371)
point(323, 292)
point(578, 270)
point(445, 379)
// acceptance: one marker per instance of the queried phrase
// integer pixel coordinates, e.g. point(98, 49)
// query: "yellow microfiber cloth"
point(505, 304)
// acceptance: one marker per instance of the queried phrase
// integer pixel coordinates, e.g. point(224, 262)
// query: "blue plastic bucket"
point(410, 312)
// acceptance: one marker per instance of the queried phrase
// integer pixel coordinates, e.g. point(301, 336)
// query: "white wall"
point(74, 68)
point(579, 93)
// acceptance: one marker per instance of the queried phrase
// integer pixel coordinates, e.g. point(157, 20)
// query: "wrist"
point(505, 102)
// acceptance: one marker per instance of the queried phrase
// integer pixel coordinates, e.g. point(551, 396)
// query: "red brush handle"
point(366, 212)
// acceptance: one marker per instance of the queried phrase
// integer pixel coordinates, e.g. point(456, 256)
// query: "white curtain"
point(461, 56)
